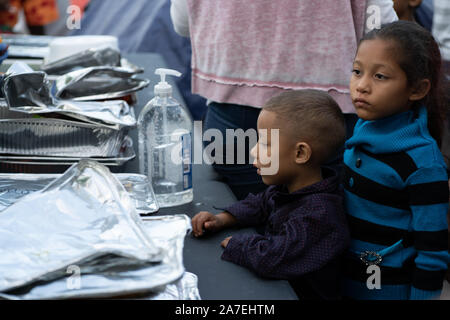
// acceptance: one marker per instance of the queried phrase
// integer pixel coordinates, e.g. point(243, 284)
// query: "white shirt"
point(441, 26)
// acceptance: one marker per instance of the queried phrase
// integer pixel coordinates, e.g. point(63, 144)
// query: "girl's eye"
point(356, 72)
point(380, 76)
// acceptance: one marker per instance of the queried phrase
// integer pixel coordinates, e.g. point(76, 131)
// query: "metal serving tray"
point(97, 83)
point(59, 138)
point(93, 57)
point(124, 155)
point(167, 233)
point(86, 219)
point(17, 185)
point(30, 93)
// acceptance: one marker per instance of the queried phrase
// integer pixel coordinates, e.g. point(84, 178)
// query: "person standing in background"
point(243, 53)
point(405, 9)
point(441, 32)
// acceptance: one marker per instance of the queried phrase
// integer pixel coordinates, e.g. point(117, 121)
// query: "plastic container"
point(165, 145)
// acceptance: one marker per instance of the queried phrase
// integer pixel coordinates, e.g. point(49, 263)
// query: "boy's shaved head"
point(313, 117)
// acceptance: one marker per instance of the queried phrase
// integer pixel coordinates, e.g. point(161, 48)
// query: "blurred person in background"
point(37, 14)
point(420, 11)
point(68, 11)
point(405, 9)
point(441, 32)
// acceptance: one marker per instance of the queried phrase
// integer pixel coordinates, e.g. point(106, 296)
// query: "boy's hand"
point(206, 221)
point(225, 241)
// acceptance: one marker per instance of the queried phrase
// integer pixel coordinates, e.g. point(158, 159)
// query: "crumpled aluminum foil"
point(184, 289)
point(106, 56)
point(17, 185)
point(34, 123)
point(97, 83)
point(30, 93)
point(84, 218)
point(93, 57)
point(166, 280)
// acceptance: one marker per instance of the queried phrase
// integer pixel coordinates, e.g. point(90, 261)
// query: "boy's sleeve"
point(428, 197)
point(305, 243)
point(251, 211)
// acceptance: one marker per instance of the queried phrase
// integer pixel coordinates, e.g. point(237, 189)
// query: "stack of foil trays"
point(45, 122)
point(15, 186)
point(81, 237)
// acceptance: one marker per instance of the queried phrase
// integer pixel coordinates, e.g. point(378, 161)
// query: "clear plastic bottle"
point(165, 145)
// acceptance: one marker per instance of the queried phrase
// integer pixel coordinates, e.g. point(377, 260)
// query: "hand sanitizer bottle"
point(165, 145)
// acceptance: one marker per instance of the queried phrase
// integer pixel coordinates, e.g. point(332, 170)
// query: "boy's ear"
point(420, 90)
point(303, 152)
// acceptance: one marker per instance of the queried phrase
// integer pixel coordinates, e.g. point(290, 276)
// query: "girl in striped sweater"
point(395, 178)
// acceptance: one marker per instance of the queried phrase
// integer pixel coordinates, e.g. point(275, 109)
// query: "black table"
point(218, 279)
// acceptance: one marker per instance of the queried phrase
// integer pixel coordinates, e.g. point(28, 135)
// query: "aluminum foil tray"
point(30, 93)
point(97, 83)
point(167, 233)
point(93, 57)
point(124, 155)
point(15, 186)
point(184, 289)
point(85, 218)
point(59, 138)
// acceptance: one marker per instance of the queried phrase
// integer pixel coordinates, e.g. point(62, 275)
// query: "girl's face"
point(378, 86)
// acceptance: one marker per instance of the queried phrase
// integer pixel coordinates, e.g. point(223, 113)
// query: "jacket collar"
point(329, 184)
point(396, 133)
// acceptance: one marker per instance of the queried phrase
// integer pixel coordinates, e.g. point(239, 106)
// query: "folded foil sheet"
point(86, 220)
point(31, 93)
point(15, 186)
point(184, 289)
point(93, 57)
point(97, 83)
point(163, 281)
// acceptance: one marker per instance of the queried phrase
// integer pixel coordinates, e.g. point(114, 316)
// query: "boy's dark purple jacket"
point(304, 230)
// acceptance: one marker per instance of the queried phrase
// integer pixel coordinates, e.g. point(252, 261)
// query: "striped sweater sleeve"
point(428, 198)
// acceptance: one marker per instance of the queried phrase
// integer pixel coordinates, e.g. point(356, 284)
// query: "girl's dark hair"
point(419, 57)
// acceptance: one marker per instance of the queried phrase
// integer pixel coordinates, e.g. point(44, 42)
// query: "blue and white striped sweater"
point(396, 187)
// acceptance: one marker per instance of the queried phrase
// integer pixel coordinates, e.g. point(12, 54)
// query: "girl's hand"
point(225, 241)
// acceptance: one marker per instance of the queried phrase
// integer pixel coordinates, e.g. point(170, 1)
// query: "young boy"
point(302, 209)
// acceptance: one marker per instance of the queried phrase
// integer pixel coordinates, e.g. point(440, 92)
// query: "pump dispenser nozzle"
point(163, 87)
